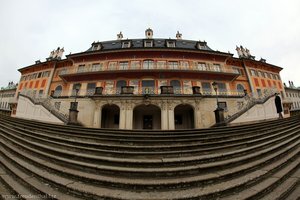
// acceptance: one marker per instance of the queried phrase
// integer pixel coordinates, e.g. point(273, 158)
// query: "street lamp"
point(219, 112)
point(215, 86)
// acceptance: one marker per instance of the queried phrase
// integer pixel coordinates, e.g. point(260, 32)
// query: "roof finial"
point(149, 33)
point(120, 36)
point(178, 36)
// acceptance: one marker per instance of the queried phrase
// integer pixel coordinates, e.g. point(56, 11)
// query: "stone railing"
point(48, 103)
point(247, 102)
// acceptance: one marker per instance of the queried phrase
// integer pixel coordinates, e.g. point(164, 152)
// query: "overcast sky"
point(30, 29)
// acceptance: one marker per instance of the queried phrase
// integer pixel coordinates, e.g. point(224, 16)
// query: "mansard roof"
point(157, 43)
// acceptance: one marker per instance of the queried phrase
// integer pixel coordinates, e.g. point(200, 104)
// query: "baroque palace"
point(149, 83)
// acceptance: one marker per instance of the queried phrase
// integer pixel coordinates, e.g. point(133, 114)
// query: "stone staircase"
point(48, 161)
point(47, 102)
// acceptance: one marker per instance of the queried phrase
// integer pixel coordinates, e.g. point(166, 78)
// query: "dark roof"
point(157, 43)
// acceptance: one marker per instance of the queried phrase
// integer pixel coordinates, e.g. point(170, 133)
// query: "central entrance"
point(147, 122)
point(146, 117)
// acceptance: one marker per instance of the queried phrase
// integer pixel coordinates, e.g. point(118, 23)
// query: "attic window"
point(126, 44)
point(96, 47)
point(200, 45)
point(171, 44)
point(148, 43)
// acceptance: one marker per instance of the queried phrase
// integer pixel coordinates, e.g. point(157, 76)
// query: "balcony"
point(140, 91)
point(89, 72)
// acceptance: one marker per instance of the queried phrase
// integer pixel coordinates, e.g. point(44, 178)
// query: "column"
point(97, 116)
point(122, 124)
point(171, 118)
point(129, 118)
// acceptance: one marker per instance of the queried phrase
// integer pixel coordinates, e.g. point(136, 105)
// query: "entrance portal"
point(184, 117)
point(147, 122)
point(110, 116)
point(146, 117)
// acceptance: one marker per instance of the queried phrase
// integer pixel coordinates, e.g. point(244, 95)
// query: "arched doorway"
point(146, 117)
point(184, 117)
point(110, 116)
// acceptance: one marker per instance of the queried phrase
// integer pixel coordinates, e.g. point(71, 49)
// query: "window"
point(112, 65)
point(41, 93)
point(126, 44)
point(81, 68)
point(39, 75)
point(36, 84)
point(62, 71)
point(76, 89)
point(96, 47)
point(222, 88)
point(263, 74)
point(184, 65)
point(148, 64)
point(259, 92)
point(173, 65)
point(57, 91)
point(120, 84)
point(206, 87)
point(135, 65)
point(217, 67)
point(240, 88)
point(237, 70)
point(148, 86)
point(161, 64)
point(123, 65)
point(259, 74)
point(176, 86)
point(253, 72)
point(90, 89)
point(96, 67)
point(171, 44)
point(201, 66)
point(46, 74)
point(148, 43)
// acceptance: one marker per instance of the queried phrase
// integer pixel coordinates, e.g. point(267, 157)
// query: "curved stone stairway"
point(47, 161)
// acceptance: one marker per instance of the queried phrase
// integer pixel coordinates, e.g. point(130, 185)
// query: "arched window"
point(57, 91)
point(240, 88)
point(176, 86)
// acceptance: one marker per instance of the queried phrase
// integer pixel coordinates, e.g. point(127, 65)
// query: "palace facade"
point(148, 83)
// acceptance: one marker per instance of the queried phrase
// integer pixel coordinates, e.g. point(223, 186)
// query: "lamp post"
point(73, 112)
point(215, 86)
point(219, 112)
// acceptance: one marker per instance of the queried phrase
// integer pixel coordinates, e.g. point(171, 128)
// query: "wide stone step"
point(145, 163)
point(285, 188)
point(147, 151)
point(258, 190)
point(235, 165)
point(144, 133)
point(146, 142)
point(36, 188)
point(207, 190)
point(21, 190)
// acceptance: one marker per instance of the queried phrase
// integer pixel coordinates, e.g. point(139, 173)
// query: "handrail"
point(47, 102)
point(248, 102)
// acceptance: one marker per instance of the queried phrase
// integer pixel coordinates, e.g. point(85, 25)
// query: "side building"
point(7, 99)
point(293, 94)
point(149, 83)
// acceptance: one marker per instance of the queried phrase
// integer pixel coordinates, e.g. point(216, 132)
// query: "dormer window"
point(201, 45)
point(171, 44)
point(126, 44)
point(148, 43)
point(96, 47)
